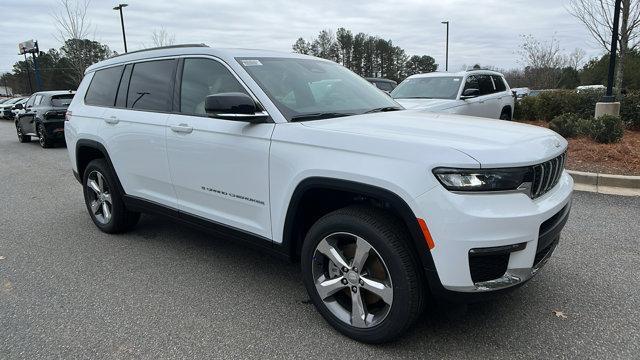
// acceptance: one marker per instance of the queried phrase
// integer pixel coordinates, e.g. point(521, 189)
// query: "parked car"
point(520, 93)
point(7, 106)
point(381, 207)
point(480, 93)
point(583, 88)
point(44, 114)
point(15, 111)
point(383, 84)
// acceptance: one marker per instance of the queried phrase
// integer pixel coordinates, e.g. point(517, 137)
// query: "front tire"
point(104, 201)
point(359, 271)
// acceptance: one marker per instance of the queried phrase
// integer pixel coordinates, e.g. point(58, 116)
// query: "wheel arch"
point(88, 150)
point(332, 192)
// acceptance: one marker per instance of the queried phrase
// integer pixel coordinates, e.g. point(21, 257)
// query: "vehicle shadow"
point(441, 325)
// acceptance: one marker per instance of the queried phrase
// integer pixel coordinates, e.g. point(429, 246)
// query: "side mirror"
point(470, 93)
point(18, 107)
point(234, 106)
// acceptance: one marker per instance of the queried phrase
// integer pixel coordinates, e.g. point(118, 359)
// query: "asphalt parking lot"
point(168, 291)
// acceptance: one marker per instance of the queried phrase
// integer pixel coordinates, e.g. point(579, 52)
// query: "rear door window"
point(103, 87)
point(150, 87)
point(486, 85)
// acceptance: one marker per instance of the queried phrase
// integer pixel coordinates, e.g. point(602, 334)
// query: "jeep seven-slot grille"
point(546, 175)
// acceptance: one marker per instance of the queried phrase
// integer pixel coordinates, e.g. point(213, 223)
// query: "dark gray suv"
point(44, 117)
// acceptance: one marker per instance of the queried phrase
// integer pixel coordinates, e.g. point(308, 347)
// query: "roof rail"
point(162, 47)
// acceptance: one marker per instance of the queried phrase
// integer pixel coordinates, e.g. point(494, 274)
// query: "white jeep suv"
point(480, 93)
point(305, 159)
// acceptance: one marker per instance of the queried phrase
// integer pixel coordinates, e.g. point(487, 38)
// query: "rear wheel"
point(104, 201)
point(360, 274)
point(505, 114)
point(21, 136)
point(43, 138)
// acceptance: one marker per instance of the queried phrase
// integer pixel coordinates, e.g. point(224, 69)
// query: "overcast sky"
point(482, 31)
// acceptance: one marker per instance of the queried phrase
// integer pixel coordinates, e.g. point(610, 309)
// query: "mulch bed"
point(621, 158)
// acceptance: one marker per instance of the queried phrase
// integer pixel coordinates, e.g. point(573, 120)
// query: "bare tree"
point(597, 17)
point(70, 18)
point(160, 37)
point(576, 58)
point(73, 29)
point(543, 61)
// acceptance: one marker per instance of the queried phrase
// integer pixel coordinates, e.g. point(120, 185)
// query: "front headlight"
point(483, 179)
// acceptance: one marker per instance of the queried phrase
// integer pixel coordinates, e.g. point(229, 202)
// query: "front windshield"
point(307, 89)
point(432, 87)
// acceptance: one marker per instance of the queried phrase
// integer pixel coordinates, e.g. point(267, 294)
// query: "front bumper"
point(512, 227)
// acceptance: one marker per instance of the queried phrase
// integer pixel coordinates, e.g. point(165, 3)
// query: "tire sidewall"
point(117, 206)
point(398, 314)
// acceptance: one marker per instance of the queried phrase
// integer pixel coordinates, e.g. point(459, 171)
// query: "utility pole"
point(608, 105)
point(124, 37)
point(446, 61)
point(26, 62)
point(35, 67)
point(614, 52)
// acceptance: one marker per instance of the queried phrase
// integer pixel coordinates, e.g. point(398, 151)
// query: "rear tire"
point(505, 114)
point(104, 201)
point(43, 138)
point(389, 284)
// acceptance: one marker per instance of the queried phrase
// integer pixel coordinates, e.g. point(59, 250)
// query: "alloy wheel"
point(100, 200)
point(20, 134)
point(41, 136)
point(352, 280)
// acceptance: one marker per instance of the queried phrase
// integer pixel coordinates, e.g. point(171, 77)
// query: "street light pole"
point(612, 56)
point(446, 61)
point(124, 37)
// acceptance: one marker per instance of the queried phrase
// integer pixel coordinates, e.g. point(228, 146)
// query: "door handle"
point(112, 120)
point(182, 128)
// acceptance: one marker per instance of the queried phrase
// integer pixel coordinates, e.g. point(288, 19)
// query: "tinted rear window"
point(61, 100)
point(150, 85)
point(384, 86)
point(103, 87)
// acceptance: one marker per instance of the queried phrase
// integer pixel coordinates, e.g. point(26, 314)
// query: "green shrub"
point(526, 108)
point(549, 104)
point(565, 124)
point(630, 110)
point(583, 126)
point(606, 129)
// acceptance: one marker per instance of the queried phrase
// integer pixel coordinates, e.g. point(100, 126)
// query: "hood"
point(493, 143)
point(431, 104)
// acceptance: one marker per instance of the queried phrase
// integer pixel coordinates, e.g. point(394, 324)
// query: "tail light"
point(67, 116)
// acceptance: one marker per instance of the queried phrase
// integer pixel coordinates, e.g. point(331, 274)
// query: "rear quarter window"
point(499, 83)
point(104, 86)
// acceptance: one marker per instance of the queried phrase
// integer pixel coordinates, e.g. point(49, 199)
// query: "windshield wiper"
point(414, 97)
point(319, 116)
point(383, 109)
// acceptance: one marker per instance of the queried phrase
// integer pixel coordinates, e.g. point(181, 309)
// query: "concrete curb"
point(606, 183)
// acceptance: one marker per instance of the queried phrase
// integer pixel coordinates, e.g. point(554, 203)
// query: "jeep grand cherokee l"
point(303, 158)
